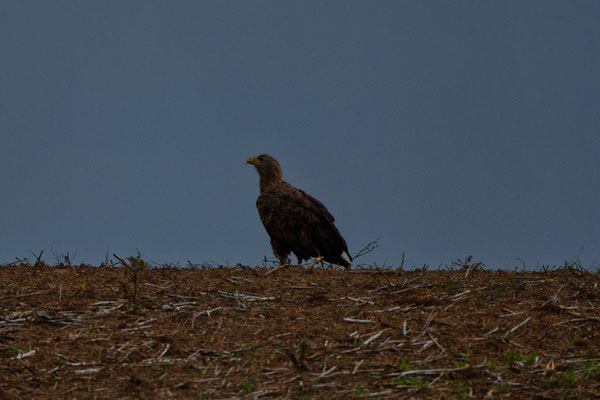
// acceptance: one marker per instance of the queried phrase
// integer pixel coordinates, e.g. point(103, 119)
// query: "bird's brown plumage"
point(295, 221)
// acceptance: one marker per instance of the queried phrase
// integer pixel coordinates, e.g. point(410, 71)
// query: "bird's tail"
point(346, 257)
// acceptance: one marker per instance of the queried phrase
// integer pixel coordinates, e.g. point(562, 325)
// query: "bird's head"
point(267, 167)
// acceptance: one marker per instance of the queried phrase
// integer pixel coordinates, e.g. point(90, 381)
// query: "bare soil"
point(81, 332)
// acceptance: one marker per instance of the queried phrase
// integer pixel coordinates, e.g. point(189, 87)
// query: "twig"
point(499, 379)
point(164, 351)
point(468, 270)
point(375, 336)
point(207, 312)
point(20, 356)
point(581, 361)
point(438, 371)
point(412, 288)
point(90, 371)
point(377, 394)
point(358, 364)
point(371, 246)
point(359, 321)
point(247, 296)
point(385, 277)
point(280, 335)
point(38, 259)
point(492, 331)
point(357, 300)
point(551, 300)
point(107, 303)
point(412, 281)
point(293, 379)
point(395, 308)
point(27, 367)
point(330, 370)
point(276, 268)
point(514, 314)
point(187, 298)
point(18, 296)
point(526, 320)
point(436, 342)
point(584, 317)
point(426, 326)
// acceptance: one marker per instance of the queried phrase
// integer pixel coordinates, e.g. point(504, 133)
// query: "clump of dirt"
point(80, 332)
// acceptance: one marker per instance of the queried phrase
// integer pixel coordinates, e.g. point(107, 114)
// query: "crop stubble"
point(298, 333)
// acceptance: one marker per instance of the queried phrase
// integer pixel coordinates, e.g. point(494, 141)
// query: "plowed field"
point(92, 332)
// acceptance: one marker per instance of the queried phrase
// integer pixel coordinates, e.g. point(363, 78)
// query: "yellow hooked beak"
point(252, 161)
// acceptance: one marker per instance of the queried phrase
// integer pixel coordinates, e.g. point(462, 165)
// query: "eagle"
point(295, 221)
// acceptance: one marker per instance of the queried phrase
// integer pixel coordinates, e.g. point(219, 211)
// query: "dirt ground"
point(105, 333)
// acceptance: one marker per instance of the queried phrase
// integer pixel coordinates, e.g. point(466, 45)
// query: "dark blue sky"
point(446, 128)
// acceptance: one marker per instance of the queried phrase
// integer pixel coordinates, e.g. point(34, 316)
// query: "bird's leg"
point(283, 260)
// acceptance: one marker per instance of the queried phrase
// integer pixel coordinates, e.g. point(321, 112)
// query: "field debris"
point(293, 332)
